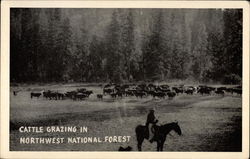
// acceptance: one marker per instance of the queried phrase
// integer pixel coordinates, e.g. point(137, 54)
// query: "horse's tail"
point(138, 131)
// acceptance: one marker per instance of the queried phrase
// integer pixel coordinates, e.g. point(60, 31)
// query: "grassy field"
point(208, 123)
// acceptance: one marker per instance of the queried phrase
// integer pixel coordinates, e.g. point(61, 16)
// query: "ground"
point(208, 123)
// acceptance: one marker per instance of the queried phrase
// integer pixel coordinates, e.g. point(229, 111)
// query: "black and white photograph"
point(125, 79)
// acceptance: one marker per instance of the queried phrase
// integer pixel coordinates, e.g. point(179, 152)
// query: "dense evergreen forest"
point(125, 45)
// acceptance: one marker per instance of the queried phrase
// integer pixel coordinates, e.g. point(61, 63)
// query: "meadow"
point(208, 122)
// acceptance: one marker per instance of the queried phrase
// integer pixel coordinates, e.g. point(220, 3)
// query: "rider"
point(150, 120)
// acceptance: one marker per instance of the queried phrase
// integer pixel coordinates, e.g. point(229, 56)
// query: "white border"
point(5, 21)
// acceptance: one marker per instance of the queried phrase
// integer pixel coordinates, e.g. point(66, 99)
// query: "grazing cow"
point(80, 96)
point(32, 94)
point(140, 94)
point(113, 95)
point(151, 92)
point(60, 96)
point(171, 95)
point(108, 91)
point(178, 90)
point(46, 94)
point(159, 94)
point(71, 94)
point(162, 89)
point(220, 91)
point(99, 96)
point(142, 86)
point(151, 86)
point(237, 91)
point(189, 91)
point(211, 88)
point(129, 93)
point(88, 93)
point(191, 88)
point(53, 95)
point(229, 90)
point(119, 94)
point(204, 90)
point(164, 86)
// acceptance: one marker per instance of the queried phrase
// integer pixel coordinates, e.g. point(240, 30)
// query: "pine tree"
point(153, 52)
point(127, 41)
point(233, 38)
point(113, 67)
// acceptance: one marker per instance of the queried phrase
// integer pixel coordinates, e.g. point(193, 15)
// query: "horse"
point(160, 134)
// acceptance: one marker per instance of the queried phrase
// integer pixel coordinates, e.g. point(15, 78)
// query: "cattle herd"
point(78, 94)
point(137, 90)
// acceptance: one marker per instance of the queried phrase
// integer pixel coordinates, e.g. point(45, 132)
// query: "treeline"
point(120, 45)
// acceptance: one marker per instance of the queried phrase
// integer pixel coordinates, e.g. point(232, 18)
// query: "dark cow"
point(142, 86)
point(129, 93)
point(33, 94)
point(237, 91)
point(108, 91)
point(119, 94)
point(151, 92)
point(151, 86)
point(204, 90)
point(80, 96)
point(164, 86)
point(162, 89)
point(140, 94)
point(230, 90)
point(159, 94)
point(99, 96)
point(53, 95)
point(113, 95)
point(191, 88)
point(189, 91)
point(60, 96)
point(171, 95)
point(212, 88)
point(178, 90)
point(46, 94)
point(88, 93)
point(71, 94)
point(219, 91)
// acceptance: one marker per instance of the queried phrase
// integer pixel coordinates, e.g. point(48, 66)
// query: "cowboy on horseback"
point(150, 120)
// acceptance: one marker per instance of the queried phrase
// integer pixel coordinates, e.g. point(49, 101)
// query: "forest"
point(125, 45)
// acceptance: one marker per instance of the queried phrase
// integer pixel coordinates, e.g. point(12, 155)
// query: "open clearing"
point(208, 123)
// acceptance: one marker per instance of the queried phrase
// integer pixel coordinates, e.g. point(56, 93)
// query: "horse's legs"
point(139, 143)
point(162, 144)
point(158, 145)
point(139, 146)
